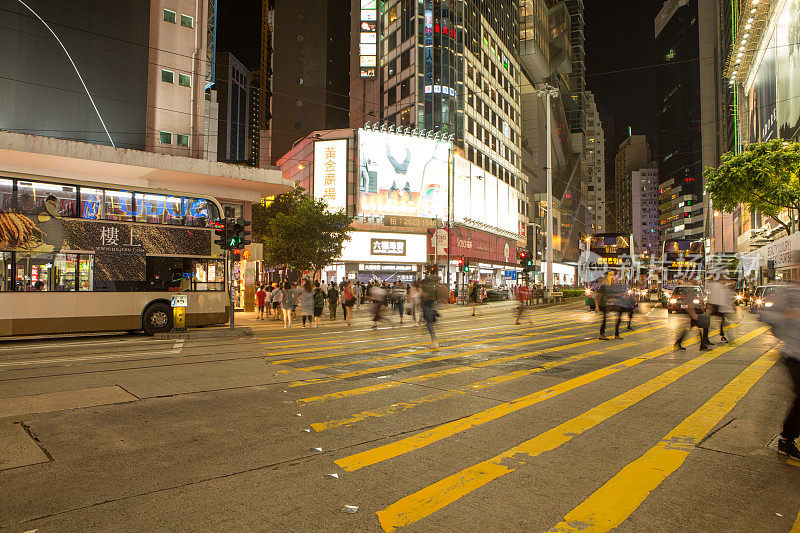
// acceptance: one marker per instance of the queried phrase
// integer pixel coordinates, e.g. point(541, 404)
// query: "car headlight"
point(758, 301)
point(588, 292)
point(695, 301)
point(673, 300)
point(768, 304)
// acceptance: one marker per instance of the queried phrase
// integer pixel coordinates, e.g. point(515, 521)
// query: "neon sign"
point(150, 205)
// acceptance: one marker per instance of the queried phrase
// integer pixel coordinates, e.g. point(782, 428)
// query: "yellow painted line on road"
point(614, 502)
point(538, 325)
point(446, 372)
point(397, 366)
point(796, 526)
point(404, 354)
point(434, 497)
point(425, 438)
point(405, 406)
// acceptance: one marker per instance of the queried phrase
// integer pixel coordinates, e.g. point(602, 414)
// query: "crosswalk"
point(621, 375)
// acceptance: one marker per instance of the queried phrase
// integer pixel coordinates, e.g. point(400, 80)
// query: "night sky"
point(620, 36)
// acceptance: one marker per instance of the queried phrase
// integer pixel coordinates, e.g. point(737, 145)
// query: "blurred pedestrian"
point(611, 292)
point(288, 302)
point(784, 316)
point(261, 302)
point(319, 303)
point(415, 300)
point(378, 296)
point(399, 298)
point(474, 294)
point(348, 301)
point(429, 312)
point(720, 298)
point(306, 304)
point(333, 301)
point(697, 319)
point(523, 295)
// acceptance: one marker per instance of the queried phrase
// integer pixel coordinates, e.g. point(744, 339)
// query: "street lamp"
point(549, 91)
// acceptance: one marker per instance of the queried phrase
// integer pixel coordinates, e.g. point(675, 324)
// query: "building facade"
point(644, 210)
point(679, 144)
point(634, 153)
point(595, 169)
point(233, 90)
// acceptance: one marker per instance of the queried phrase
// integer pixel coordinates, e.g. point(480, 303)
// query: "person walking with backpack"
point(333, 300)
point(319, 303)
point(348, 301)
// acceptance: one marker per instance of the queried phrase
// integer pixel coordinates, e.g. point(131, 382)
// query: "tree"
point(299, 232)
point(764, 178)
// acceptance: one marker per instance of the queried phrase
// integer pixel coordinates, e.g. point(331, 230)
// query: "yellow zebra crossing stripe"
point(612, 503)
point(442, 493)
point(428, 437)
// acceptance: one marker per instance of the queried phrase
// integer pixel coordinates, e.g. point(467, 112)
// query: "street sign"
point(180, 300)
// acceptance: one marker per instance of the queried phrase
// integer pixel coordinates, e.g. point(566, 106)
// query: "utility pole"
point(549, 91)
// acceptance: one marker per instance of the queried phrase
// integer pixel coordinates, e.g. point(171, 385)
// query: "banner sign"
point(478, 245)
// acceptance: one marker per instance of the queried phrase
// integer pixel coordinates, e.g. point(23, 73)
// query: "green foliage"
point(572, 293)
point(764, 178)
point(298, 232)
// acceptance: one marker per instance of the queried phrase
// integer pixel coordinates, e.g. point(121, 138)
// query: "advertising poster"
point(330, 173)
point(788, 52)
point(476, 245)
point(762, 98)
point(402, 175)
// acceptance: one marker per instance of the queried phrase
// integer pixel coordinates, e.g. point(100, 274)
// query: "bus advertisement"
point(605, 252)
point(80, 257)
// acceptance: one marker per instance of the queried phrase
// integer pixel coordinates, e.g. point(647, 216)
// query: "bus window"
point(151, 208)
point(7, 267)
point(196, 212)
point(6, 194)
point(36, 197)
point(208, 275)
point(174, 210)
point(91, 203)
point(167, 273)
point(119, 205)
point(47, 272)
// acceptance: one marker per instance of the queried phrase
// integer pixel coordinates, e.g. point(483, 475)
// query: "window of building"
point(405, 88)
point(391, 96)
point(185, 80)
point(183, 140)
point(164, 137)
point(169, 16)
point(393, 14)
point(391, 68)
point(405, 59)
point(167, 76)
point(186, 21)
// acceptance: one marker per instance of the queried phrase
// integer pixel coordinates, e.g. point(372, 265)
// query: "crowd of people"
point(306, 300)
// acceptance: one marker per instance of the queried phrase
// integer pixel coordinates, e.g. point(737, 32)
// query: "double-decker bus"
point(683, 262)
point(78, 256)
point(605, 252)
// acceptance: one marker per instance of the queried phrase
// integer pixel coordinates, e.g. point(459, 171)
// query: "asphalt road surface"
point(531, 427)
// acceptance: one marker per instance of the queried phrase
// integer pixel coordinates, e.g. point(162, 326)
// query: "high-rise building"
point(309, 42)
point(678, 89)
point(445, 67)
point(253, 124)
point(644, 209)
point(595, 169)
point(146, 93)
point(233, 89)
point(633, 154)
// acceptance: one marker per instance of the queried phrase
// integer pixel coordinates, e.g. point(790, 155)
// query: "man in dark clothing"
point(333, 300)
point(611, 291)
point(696, 319)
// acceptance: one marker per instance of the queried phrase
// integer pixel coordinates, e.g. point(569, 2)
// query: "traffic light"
point(461, 264)
point(466, 266)
point(523, 257)
point(239, 236)
point(430, 270)
point(221, 231)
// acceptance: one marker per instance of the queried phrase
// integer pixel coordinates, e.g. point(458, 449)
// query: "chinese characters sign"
point(368, 39)
point(388, 247)
point(330, 173)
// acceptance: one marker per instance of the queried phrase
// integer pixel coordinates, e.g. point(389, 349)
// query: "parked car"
point(755, 299)
point(683, 295)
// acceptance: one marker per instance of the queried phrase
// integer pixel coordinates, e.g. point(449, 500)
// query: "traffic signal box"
point(232, 234)
point(221, 231)
point(525, 260)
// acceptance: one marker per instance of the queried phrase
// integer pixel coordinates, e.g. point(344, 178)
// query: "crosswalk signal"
point(466, 266)
point(461, 264)
point(242, 233)
point(523, 257)
point(221, 232)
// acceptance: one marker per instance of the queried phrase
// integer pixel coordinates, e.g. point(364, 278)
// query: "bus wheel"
point(157, 319)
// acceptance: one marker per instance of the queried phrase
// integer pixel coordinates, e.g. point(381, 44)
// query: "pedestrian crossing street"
point(554, 392)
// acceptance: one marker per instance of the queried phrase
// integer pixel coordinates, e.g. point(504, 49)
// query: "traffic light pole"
point(230, 287)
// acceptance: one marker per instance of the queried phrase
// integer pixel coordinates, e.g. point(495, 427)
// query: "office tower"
point(233, 89)
point(633, 154)
point(678, 89)
point(595, 169)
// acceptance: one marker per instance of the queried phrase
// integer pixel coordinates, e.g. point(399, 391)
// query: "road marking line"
point(442, 373)
point(425, 438)
point(404, 354)
point(503, 378)
point(71, 359)
point(538, 325)
point(442, 493)
point(631, 486)
point(796, 526)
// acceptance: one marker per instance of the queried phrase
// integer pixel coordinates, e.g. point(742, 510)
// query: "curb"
point(241, 331)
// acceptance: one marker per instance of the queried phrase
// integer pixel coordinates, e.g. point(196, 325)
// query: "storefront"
point(385, 256)
point(489, 256)
point(247, 274)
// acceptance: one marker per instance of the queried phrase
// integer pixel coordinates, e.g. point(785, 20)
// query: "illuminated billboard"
point(762, 98)
point(368, 39)
point(330, 173)
point(788, 70)
point(481, 197)
point(402, 175)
